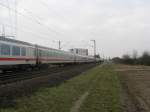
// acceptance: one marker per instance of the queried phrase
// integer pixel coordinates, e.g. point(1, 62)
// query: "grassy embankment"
point(101, 83)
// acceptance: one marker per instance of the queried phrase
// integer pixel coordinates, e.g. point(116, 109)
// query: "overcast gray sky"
point(118, 26)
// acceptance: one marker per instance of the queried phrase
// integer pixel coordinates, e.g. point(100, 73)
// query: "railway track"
point(28, 82)
point(11, 77)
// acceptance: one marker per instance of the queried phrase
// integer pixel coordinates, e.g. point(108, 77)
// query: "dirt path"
point(79, 102)
point(135, 90)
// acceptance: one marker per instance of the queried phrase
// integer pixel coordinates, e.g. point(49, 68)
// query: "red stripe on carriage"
point(32, 59)
point(15, 59)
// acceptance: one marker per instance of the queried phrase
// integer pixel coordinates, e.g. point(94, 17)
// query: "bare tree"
point(135, 54)
point(126, 59)
point(145, 58)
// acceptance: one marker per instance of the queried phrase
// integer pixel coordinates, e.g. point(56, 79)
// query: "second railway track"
point(10, 77)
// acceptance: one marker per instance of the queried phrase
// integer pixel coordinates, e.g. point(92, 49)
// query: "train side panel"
point(53, 56)
point(18, 53)
point(12, 54)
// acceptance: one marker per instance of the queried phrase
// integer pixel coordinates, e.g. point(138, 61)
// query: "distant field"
point(96, 90)
point(135, 88)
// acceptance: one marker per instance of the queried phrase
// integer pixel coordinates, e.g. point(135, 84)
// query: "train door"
point(37, 55)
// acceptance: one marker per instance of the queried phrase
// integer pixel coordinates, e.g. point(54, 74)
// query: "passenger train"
point(19, 54)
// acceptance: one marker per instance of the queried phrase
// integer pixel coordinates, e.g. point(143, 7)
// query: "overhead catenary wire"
point(38, 18)
point(40, 37)
point(10, 18)
point(29, 31)
point(35, 33)
point(16, 17)
point(33, 19)
point(30, 13)
point(46, 5)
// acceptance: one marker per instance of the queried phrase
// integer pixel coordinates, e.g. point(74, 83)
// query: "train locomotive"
point(20, 54)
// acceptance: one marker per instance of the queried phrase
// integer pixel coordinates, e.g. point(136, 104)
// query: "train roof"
point(43, 47)
point(4, 38)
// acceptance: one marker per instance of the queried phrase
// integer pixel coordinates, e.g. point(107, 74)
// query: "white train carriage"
point(52, 56)
point(13, 52)
point(49, 55)
point(84, 59)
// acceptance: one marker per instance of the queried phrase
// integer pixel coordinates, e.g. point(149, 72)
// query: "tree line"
point(134, 59)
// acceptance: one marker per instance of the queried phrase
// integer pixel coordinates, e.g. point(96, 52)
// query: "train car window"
point(49, 54)
point(53, 53)
point(23, 51)
point(44, 53)
point(5, 49)
point(31, 52)
point(35, 52)
point(16, 51)
point(40, 53)
point(57, 54)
